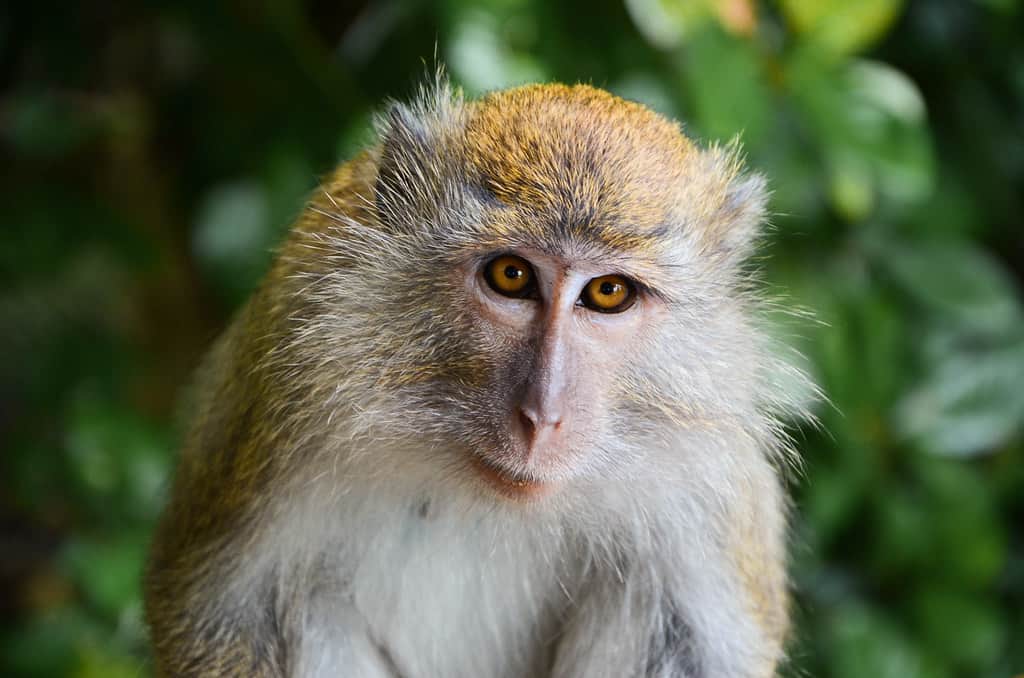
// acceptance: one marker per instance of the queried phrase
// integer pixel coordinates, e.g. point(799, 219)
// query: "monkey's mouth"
point(509, 483)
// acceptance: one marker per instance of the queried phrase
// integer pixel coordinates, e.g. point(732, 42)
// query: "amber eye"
point(510, 275)
point(609, 294)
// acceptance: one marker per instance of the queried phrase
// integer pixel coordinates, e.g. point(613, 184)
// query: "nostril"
point(526, 421)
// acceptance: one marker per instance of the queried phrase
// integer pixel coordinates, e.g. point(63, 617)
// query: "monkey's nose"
point(536, 427)
point(526, 423)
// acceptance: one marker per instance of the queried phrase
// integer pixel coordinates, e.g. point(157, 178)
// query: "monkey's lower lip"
point(515, 487)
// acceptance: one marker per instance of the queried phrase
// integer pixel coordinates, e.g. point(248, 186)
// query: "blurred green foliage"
point(155, 152)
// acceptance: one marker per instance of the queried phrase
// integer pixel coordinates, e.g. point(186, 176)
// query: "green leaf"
point(955, 280)
point(966, 524)
point(666, 23)
point(119, 459)
point(233, 237)
point(44, 645)
point(725, 78)
point(865, 643)
point(969, 399)
point(831, 501)
point(288, 179)
point(108, 570)
point(968, 402)
point(964, 630)
point(869, 121)
point(99, 662)
point(483, 60)
point(841, 26)
point(906, 532)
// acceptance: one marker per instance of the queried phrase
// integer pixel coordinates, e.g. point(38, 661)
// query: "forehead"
point(578, 162)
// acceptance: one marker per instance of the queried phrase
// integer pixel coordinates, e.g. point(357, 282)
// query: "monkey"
point(504, 405)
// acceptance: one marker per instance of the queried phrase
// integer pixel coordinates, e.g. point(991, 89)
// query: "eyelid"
point(639, 281)
point(646, 289)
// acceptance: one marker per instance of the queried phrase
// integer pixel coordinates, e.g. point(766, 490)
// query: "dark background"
point(154, 153)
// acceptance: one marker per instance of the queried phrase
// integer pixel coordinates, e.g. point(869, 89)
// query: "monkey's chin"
point(512, 486)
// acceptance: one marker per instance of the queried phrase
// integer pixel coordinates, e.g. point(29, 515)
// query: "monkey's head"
point(538, 288)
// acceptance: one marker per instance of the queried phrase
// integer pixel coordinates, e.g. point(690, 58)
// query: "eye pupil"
point(513, 272)
point(607, 288)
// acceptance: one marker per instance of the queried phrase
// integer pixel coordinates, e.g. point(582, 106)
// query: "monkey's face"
point(542, 284)
point(556, 331)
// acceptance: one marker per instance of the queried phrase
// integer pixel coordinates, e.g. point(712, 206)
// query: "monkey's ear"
point(740, 215)
point(746, 208)
point(412, 165)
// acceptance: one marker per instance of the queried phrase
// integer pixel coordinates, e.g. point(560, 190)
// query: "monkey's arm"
point(619, 631)
point(266, 635)
point(703, 605)
point(231, 656)
point(203, 620)
point(197, 637)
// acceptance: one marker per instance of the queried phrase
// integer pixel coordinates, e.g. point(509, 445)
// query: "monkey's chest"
point(460, 599)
